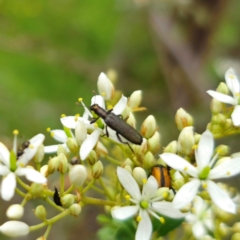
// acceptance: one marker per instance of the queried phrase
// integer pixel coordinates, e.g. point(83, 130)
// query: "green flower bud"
point(216, 128)
point(78, 175)
point(197, 138)
point(67, 200)
point(14, 229)
point(186, 141)
point(216, 106)
point(92, 157)
point(148, 127)
point(37, 190)
point(154, 142)
point(80, 132)
point(148, 160)
point(222, 88)
point(101, 149)
point(235, 236)
point(97, 170)
point(224, 231)
point(75, 209)
point(140, 175)
point(61, 149)
point(72, 145)
point(63, 163)
point(183, 119)
point(53, 165)
point(44, 170)
point(39, 156)
point(128, 168)
point(15, 211)
point(40, 212)
point(219, 119)
point(228, 124)
point(128, 162)
point(135, 99)
point(171, 147)
point(222, 150)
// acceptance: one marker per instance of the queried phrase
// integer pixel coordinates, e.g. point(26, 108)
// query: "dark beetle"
point(117, 124)
point(162, 176)
point(22, 148)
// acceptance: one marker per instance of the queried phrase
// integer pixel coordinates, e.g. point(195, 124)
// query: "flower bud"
point(78, 175)
point(128, 162)
point(92, 157)
point(197, 138)
point(97, 169)
point(39, 156)
point(222, 150)
point(105, 87)
point(44, 170)
point(131, 120)
point(37, 190)
point(53, 165)
point(41, 238)
point(148, 127)
point(61, 149)
point(219, 119)
point(140, 175)
point(228, 124)
point(72, 145)
point(63, 163)
point(112, 75)
point(75, 209)
point(128, 168)
point(67, 200)
point(40, 212)
point(14, 229)
point(154, 142)
point(171, 147)
point(222, 88)
point(183, 119)
point(15, 211)
point(186, 141)
point(235, 236)
point(162, 192)
point(80, 132)
point(216, 106)
point(101, 149)
point(135, 99)
point(216, 128)
point(148, 160)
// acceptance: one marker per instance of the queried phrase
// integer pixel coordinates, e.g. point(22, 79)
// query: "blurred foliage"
point(51, 53)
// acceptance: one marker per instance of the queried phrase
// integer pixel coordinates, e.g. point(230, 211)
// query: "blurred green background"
point(51, 53)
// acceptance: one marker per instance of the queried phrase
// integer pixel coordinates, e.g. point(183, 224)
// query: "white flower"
point(10, 167)
point(234, 86)
point(201, 218)
point(105, 86)
point(14, 229)
point(203, 174)
point(145, 203)
point(15, 211)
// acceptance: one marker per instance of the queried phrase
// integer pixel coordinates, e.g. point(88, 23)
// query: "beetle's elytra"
point(117, 124)
point(162, 176)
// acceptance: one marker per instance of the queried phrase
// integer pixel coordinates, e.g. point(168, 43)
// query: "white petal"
point(98, 99)
point(144, 229)
point(232, 81)
point(205, 150)
point(31, 174)
point(124, 212)
point(14, 228)
point(120, 106)
point(105, 86)
point(227, 169)
point(129, 183)
point(4, 170)
point(236, 116)
point(178, 163)
point(167, 209)
point(222, 97)
point(8, 186)
point(59, 135)
point(54, 148)
point(89, 143)
point(4, 154)
point(198, 229)
point(37, 139)
point(186, 193)
point(149, 190)
point(220, 197)
point(71, 122)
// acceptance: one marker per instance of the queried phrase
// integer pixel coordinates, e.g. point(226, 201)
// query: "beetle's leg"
point(106, 134)
point(119, 138)
point(120, 116)
point(93, 120)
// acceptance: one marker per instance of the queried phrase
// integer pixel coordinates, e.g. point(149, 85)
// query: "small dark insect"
point(56, 197)
point(22, 148)
point(118, 124)
point(162, 176)
point(75, 160)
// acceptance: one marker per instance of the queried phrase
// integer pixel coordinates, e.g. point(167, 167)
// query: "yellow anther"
point(95, 125)
point(165, 195)
point(127, 197)
point(77, 115)
point(48, 129)
point(52, 134)
point(31, 146)
point(194, 146)
point(228, 173)
point(21, 164)
point(204, 185)
point(162, 220)
point(80, 100)
point(138, 218)
point(63, 115)
point(103, 94)
point(186, 168)
point(76, 118)
point(144, 180)
point(109, 106)
point(231, 76)
point(15, 132)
